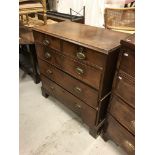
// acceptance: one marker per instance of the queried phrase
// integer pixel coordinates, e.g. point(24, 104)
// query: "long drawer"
point(120, 135)
point(87, 113)
point(79, 89)
point(85, 73)
point(123, 113)
point(124, 87)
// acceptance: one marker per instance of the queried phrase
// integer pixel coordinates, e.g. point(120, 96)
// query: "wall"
point(94, 14)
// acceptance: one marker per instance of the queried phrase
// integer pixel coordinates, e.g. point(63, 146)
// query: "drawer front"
point(123, 113)
point(79, 89)
point(46, 40)
point(124, 87)
point(87, 113)
point(45, 68)
point(84, 54)
point(127, 62)
point(121, 136)
point(85, 73)
point(44, 53)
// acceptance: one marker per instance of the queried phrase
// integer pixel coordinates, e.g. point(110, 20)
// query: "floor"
point(49, 128)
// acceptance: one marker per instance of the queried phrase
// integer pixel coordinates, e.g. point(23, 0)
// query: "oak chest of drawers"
point(120, 121)
point(77, 64)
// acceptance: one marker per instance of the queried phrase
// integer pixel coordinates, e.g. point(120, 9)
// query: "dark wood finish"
point(73, 51)
point(120, 123)
point(127, 63)
point(77, 88)
point(121, 136)
point(123, 113)
point(47, 40)
point(87, 113)
point(27, 53)
point(127, 83)
point(109, 72)
point(77, 65)
point(102, 40)
point(90, 75)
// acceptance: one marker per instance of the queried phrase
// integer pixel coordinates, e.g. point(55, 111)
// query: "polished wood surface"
point(47, 40)
point(120, 123)
point(95, 38)
point(75, 70)
point(89, 75)
point(87, 113)
point(127, 83)
point(120, 135)
point(74, 52)
point(127, 63)
point(123, 113)
point(77, 88)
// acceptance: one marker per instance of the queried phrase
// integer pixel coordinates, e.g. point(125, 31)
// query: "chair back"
point(120, 18)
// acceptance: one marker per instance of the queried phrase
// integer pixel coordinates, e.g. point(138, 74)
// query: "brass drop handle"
point(49, 71)
point(47, 55)
point(80, 55)
point(77, 89)
point(79, 70)
point(78, 106)
point(129, 145)
point(46, 42)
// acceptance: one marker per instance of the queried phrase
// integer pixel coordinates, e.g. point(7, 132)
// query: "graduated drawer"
point(120, 135)
point(127, 61)
point(124, 87)
point(123, 113)
point(79, 89)
point(83, 54)
point(89, 75)
point(87, 113)
point(46, 40)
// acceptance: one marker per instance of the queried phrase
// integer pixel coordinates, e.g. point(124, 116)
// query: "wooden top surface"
point(129, 41)
point(96, 38)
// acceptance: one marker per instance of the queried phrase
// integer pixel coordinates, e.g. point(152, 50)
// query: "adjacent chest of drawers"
point(120, 122)
point(77, 65)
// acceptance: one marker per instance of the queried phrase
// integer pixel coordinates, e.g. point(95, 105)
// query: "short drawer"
point(122, 113)
point(45, 68)
point(120, 135)
point(79, 89)
point(83, 72)
point(124, 87)
point(46, 40)
point(127, 61)
point(87, 113)
point(83, 54)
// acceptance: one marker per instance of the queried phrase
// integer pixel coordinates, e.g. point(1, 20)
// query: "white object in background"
point(65, 5)
point(94, 14)
point(53, 5)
